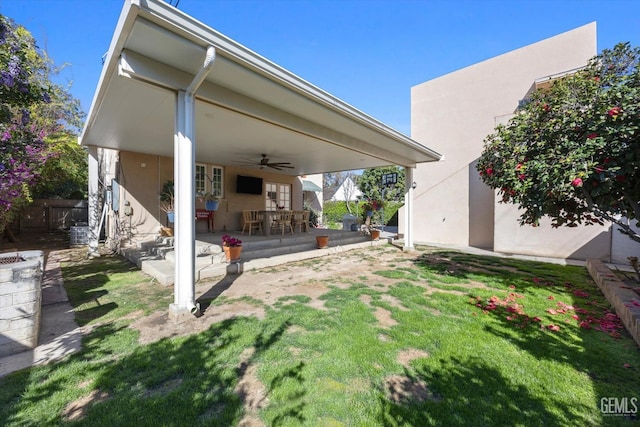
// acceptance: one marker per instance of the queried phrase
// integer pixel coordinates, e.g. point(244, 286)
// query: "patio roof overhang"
point(246, 106)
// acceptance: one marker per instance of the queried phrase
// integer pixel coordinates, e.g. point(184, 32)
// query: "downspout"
point(202, 74)
point(185, 242)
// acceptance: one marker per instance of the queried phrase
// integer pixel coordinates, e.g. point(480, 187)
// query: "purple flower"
point(26, 117)
point(3, 33)
point(6, 79)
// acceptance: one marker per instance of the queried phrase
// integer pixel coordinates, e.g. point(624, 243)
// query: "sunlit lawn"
point(495, 342)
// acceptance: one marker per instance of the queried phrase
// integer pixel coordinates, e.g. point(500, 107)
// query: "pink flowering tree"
point(31, 110)
point(572, 152)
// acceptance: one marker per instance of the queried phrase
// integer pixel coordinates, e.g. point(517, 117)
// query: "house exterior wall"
point(348, 189)
point(453, 114)
point(141, 177)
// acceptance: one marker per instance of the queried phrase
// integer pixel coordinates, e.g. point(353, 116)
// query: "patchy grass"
point(442, 338)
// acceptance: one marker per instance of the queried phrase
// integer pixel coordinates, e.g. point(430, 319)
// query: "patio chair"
point(282, 220)
point(251, 220)
point(301, 220)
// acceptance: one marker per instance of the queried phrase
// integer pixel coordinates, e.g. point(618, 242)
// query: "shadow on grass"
point(196, 380)
point(590, 351)
point(85, 282)
point(471, 393)
point(216, 290)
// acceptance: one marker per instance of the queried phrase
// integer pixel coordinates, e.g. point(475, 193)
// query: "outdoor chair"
point(251, 220)
point(301, 220)
point(282, 220)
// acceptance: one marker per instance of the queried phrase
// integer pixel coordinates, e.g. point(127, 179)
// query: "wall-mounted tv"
point(248, 185)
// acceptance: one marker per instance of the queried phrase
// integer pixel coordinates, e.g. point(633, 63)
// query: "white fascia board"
point(125, 23)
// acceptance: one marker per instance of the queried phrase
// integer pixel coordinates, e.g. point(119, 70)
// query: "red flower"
point(592, 135)
point(577, 182)
point(554, 327)
point(230, 241)
point(546, 108)
point(614, 112)
point(522, 177)
point(489, 171)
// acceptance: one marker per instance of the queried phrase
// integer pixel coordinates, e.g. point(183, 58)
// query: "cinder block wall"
point(20, 300)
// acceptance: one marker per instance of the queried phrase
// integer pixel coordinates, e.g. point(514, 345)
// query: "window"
point(217, 180)
point(200, 179)
point(277, 195)
point(213, 183)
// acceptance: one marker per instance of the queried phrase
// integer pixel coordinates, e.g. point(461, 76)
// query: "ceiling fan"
point(264, 161)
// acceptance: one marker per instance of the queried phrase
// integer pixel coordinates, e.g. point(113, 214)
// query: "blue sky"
point(367, 52)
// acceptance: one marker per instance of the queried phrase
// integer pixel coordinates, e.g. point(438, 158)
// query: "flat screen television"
point(248, 185)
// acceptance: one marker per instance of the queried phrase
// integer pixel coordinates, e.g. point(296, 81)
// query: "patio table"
point(268, 217)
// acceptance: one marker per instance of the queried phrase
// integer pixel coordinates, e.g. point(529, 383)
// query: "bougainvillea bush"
point(38, 125)
point(572, 152)
point(23, 85)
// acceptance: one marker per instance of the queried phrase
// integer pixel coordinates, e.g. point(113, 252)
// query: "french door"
point(277, 196)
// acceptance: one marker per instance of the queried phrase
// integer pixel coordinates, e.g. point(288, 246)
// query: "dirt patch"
point(77, 409)
point(406, 356)
point(158, 325)
point(383, 316)
point(401, 389)
point(393, 302)
point(250, 390)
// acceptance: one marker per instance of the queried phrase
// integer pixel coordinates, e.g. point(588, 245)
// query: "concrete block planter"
point(620, 296)
point(20, 300)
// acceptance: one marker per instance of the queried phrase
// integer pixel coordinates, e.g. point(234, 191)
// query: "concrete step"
point(157, 258)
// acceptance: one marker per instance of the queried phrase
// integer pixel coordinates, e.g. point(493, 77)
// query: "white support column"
point(95, 209)
point(184, 189)
point(408, 209)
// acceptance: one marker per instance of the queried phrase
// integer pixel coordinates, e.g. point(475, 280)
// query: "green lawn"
point(432, 338)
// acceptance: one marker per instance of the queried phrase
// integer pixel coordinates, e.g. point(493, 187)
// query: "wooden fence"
point(45, 215)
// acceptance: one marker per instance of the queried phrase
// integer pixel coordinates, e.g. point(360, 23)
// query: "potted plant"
point(232, 248)
point(322, 241)
point(375, 233)
point(167, 200)
point(211, 201)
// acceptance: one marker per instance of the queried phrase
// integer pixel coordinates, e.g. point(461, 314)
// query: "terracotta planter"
point(232, 253)
point(323, 241)
point(375, 234)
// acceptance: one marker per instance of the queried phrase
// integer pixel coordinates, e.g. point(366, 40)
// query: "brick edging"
point(619, 296)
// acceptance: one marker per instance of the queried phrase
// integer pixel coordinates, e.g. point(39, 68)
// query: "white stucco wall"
point(453, 114)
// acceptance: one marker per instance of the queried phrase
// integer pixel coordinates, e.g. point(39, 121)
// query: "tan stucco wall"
point(141, 177)
point(453, 114)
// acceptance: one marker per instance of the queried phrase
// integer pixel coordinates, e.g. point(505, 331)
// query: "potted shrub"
point(232, 248)
point(167, 200)
point(211, 201)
